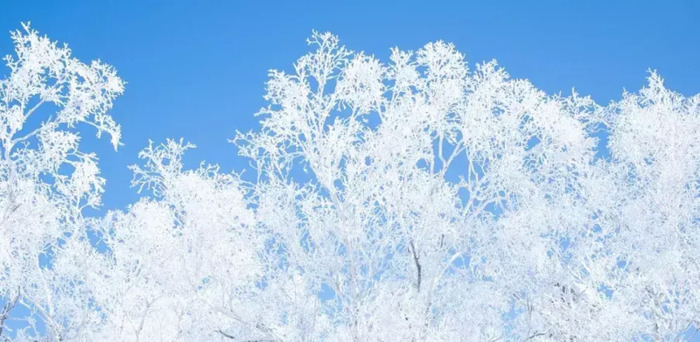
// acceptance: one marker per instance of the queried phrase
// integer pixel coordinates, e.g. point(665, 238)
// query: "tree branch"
point(418, 266)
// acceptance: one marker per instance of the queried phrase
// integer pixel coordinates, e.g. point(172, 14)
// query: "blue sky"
point(196, 69)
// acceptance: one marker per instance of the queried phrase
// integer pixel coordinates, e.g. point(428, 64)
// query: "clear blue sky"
point(196, 69)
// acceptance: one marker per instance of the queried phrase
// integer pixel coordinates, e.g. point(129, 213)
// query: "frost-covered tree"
point(419, 200)
point(649, 224)
point(425, 187)
point(45, 183)
point(412, 200)
point(183, 261)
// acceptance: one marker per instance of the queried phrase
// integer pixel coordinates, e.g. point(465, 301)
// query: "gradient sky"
point(196, 69)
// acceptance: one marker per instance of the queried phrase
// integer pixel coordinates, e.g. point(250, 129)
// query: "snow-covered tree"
point(183, 261)
point(419, 200)
point(412, 200)
point(45, 183)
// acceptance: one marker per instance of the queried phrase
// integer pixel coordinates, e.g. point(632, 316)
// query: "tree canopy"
point(409, 200)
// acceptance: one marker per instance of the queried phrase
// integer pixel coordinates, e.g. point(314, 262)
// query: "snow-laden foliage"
point(408, 200)
point(46, 181)
point(180, 259)
point(420, 200)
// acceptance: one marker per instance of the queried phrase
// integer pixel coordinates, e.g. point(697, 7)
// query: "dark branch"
point(417, 262)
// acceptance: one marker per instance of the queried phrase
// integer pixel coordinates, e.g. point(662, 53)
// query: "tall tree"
point(182, 261)
point(46, 181)
point(419, 200)
point(410, 200)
